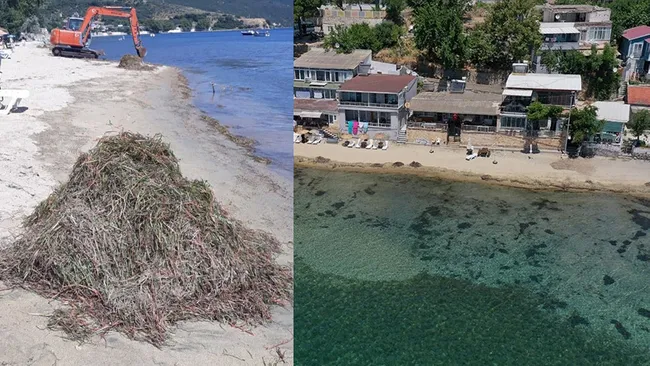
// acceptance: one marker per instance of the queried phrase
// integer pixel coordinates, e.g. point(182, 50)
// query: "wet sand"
point(72, 104)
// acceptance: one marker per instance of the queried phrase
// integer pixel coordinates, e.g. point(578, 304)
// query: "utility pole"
point(568, 124)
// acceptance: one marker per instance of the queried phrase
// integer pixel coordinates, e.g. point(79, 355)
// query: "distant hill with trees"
point(222, 14)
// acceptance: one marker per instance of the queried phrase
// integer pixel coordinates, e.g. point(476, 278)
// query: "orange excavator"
point(73, 40)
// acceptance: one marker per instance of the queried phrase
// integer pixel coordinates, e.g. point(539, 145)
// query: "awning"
point(559, 29)
point(309, 114)
point(518, 92)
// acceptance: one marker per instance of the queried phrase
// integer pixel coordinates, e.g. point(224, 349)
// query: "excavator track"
point(75, 52)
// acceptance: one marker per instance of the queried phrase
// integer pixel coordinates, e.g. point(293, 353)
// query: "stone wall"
point(641, 153)
point(487, 77)
point(483, 139)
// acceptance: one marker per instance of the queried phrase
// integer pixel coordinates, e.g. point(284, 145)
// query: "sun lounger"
point(296, 138)
point(471, 157)
point(374, 144)
point(358, 145)
point(370, 142)
point(317, 140)
point(352, 143)
point(11, 99)
point(385, 145)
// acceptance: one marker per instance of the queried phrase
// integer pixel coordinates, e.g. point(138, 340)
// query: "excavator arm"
point(117, 12)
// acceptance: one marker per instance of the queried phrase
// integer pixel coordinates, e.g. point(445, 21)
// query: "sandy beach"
point(537, 171)
point(72, 104)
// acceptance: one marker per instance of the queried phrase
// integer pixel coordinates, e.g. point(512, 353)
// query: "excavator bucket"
point(141, 51)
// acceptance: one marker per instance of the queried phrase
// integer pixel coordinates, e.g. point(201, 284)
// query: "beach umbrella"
point(346, 136)
point(381, 136)
point(364, 136)
point(301, 131)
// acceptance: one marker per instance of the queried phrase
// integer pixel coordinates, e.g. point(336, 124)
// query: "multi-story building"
point(318, 74)
point(524, 88)
point(634, 49)
point(573, 27)
point(380, 101)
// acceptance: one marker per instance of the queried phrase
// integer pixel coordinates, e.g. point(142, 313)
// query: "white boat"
point(248, 33)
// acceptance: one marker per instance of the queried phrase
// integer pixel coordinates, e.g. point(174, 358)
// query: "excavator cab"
point(74, 23)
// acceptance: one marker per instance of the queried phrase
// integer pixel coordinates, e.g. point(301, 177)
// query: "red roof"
point(638, 95)
point(378, 83)
point(637, 32)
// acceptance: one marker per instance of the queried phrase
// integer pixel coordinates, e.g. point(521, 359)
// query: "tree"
point(440, 33)
point(305, 9)
point(598, 70)
point(639, 124)
point(185, 24)
point(363, 36)
point(584, 123)
point(510, 34)
point(394, 10)
point(203, 24)
point(538, 111)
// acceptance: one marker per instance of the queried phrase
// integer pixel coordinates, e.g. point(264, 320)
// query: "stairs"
point(401, 136)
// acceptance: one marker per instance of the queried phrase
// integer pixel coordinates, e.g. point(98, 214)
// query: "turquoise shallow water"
point(394, 270)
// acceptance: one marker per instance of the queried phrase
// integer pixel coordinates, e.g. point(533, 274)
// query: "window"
point(336, 76)
point(302, 93)
point(320, 75)
point(318, 93)
point(329, 94)
point(637, 49)
point(351, 115)
point(296, 74)
point(513, 122)
point(600, 34)
point(328, 76)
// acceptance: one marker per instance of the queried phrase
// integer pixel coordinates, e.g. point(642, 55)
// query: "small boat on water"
point(255, 33)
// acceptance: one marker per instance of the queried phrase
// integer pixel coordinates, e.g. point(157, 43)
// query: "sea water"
point(402, 270)
point(252, 76)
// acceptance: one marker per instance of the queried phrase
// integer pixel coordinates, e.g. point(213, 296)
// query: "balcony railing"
point(479, 128)
point(368, 104)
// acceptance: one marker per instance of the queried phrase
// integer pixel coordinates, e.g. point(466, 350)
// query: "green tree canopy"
point(584, 123)
point(640, 123)
point(363, 36)
point(440, 33)
point(538, 111)
point(203, 24)
point(13, 13)
point(598, 70)
point(394, 10)
point(510, 34)
point(305, 9)
point(185, 24)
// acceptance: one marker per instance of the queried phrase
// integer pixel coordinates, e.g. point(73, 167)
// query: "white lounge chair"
point(11, 98)
point(311, 140)
point(375, 144)
point(471, 157)
point(385, 145)
point(370, 142)
point(296, 138)
point(317, 140)
point(352, 143)
point(358, 145)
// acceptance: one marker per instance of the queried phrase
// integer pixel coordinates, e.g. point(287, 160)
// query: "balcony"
point(371, 100)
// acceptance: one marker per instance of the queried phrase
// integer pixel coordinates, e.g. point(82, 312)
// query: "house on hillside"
point(332, 16)
point(522, 89)
point(380, 101)
point(457, 109)
point(634, 49)
point(573, 27)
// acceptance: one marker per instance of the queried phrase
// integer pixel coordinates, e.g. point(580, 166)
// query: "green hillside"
point(278, 11)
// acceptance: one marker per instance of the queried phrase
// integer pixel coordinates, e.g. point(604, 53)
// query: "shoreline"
point(571, 183)
point(73, 103)
point(187, 93)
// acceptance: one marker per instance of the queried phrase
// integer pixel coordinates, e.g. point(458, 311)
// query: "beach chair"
point(385, 145)
point(370, 142)
point(352, 143)
point(375, 144)
point(358, 145)
point(11, 98)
